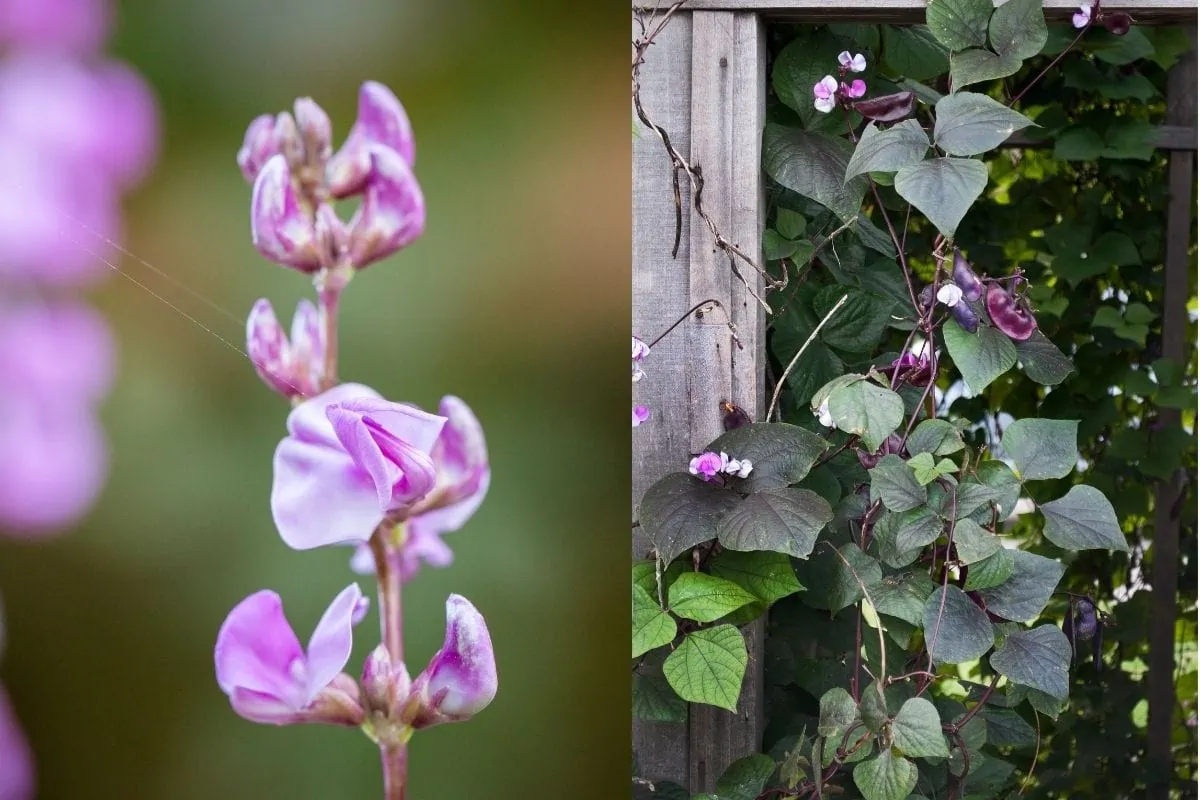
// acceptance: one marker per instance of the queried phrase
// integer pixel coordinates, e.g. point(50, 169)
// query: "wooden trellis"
point(704, 81)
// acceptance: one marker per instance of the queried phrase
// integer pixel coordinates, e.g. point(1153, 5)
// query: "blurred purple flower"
point(461, 679)
point(269, 678)
point(1083, 16)
point(349, 459)
point(381, 121)
point(392, 214)
point(640, 415)
point(16, 759)
point(295, 368)
point(75, 26)
point(280, 227)
point(856, 89)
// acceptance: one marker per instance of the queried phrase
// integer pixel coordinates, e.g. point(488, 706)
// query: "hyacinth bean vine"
point(354, 469)
point(888, 532)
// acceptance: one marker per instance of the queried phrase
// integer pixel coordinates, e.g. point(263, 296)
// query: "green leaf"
point(926, 471)
point(1129, 139)
point(866, 410)
point(992, 571)
point(969, 124)
point(972, 542)
point(835, 579)
point(1044, 703)
point(838, 712)
point(782, 454)
point(970, 497)
point(956, 630)
point(705, 598)
point(655, 701)
point(781, 520)
point(1040, 658)
point(816, 365)
point(813, 165)
point(1078, 143)
point(1018, 29)
point(935, 436)
point(708, 667)
point(1042, 361)
point(917, 528)
point(913, 52)
point(1006, 487)
point(775, 247)
point(977, 66)
point(680, 511)
point(859, 324)
point(746, 777)
point(982, 356)
point(899, 146)
point(1022, 597)
point(903, 596)
point(917, 730)
point(1083, 520)
point(652, 627)
point(790, 224)
point(959, 24)
point(1042, 449)
point(943, 189)
point(885, 777)
point(894, 482)
point(1007, 728)
point(873, 708)
point(1121, 50)
point(767, 576)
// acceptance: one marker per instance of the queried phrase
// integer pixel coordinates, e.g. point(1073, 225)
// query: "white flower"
point(825, 94)
point(855, 63)
point(739, 468)
point(949, 294)
point(637, 373)
point(640, 350)
point(823, 415)
point(1083, 16)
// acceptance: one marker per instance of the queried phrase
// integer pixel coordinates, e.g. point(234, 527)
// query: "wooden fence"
point(704, 82)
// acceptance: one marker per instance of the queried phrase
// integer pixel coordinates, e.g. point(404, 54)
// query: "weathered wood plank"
point(1153, 12)
point(728, 109)
point(660, 296)
point(1181, 110)
point(1164, 137)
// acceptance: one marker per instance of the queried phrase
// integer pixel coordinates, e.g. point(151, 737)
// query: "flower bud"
point(307, 349)
point(1117, 22)
point(268, 349)
point(640, 415)
point(965, 278)
point(287, 138)
point(315, 130)
point(966, 318)
point(332, 236)
point(384, 686)
point(461, 679)
point(258, 146)
point(1009, 315)
point(279, 227)
point(392, 214)
point(381, 121)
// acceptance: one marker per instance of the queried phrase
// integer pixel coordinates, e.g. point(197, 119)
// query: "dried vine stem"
point(800, 352)
point(651, 26)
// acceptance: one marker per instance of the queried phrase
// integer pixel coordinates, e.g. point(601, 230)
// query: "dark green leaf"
point(745, 778)
point(780, 520)
point(782, 454)
point(943, 189)
point(1018, 29)
point(1042, 449)
point(992, 571)
point(680, 511)
point(894, 482)
point(887, 151)
point(1083, 520)
point(917, 730)
point(982, 356)
point(913, 52)
point(903, 596)
point(979, 65)
point(1040, 658)
point(956, 630)
point(813, 165)
point(838, 712)
point(866, 410)
point(972, 542)
point(1023, 596)
point(655, 701)
point(969, 124)
point(859, 324)
point(835, 580)
point(1042, 361)
point(935, 436)
point(886, 777)
point(959, 24)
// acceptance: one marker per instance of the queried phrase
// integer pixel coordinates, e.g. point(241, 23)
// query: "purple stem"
point(391, 623)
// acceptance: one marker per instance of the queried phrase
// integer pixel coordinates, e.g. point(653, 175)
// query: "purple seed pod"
point(733, 417)
point(1085, 620)
point(888, 108)
point(1012, 318)
point(965, 278)
point(1117, 23)
point(966, 318)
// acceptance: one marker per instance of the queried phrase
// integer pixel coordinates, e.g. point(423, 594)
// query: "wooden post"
point(704, 82)
point(1181, 110)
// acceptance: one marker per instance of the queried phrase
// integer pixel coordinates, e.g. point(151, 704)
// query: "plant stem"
point(391, 623)
point(329, 284)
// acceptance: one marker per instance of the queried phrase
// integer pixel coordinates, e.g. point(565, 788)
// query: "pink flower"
point(392, 214)
point(640, 349)
point(461, 679)
point(1083, 17)
point(279, 226)
point(16, 759)
point(856, 89)
point(640, 415)
point(295, 368)
point(350, 459)
point(74, 26)
point(381, 121)
point(825, 94)
point(270, 679)
point(707, 465)
point(855, 63)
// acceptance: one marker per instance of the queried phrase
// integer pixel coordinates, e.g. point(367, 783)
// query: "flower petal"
point(331, 642)
point(258, 651)
point(16, 758)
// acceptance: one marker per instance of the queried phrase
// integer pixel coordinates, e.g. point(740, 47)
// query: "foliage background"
point(517, 290)
point(1098, 177)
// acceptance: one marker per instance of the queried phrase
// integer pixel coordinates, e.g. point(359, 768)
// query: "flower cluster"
point(1003, 304)
point(387, 478)
point(77, 131)
point(640, 351)
point(828, 91)
point(709, 465)
point(1117, 23)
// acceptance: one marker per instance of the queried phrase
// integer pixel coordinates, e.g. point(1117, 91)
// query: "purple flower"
point(640, 349)
point(825, 94)
point(855, 63)
point(316, 130)
point(463, 476)
point(75, 26)
point(293, 369)
point(279, 226)
point(350, 459)
point(16, 759)
point(1082, 17)
point(381, 122)
point(460, 680)
point(856, 89)
point(640, 415)
point(270, 679)
point(392, 214)
point(258, 146)
point(57, 350)
point(707, 465)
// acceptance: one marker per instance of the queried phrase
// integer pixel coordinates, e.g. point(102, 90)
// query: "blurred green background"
point(516, 299)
